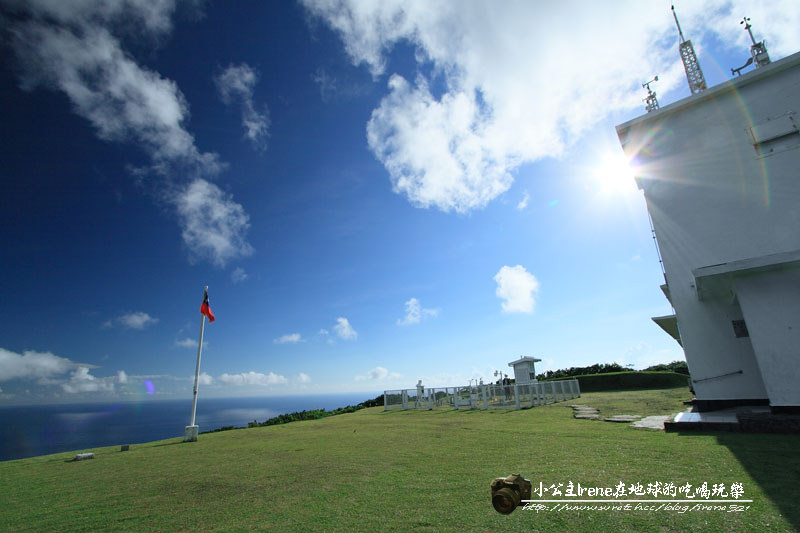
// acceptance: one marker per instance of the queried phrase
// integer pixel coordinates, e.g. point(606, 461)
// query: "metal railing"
point(490, 396)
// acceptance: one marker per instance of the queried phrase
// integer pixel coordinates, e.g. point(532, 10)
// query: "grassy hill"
point(404, 471)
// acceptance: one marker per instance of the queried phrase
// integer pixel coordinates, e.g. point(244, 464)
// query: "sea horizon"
point(43, 429)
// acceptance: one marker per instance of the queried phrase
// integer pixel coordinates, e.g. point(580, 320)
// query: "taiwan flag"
point(205, 309)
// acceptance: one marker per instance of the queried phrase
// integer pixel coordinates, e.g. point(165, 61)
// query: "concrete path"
point(652, 422)
point(623, 418)
point(585, 412)
point(649, 422)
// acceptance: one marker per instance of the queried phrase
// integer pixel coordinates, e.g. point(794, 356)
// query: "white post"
point(190, 432)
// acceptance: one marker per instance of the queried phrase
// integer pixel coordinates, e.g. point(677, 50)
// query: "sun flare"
point(614, 174)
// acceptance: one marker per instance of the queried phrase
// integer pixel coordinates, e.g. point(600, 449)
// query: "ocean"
point(27, 431)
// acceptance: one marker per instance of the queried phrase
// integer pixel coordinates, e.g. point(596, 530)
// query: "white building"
point(524, 370)
point(720, 171)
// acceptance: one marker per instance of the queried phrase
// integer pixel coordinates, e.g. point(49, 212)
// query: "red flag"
point(205, 309)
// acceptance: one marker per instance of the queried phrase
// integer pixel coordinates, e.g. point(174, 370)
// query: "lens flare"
point(151, 389)
point(614, 174)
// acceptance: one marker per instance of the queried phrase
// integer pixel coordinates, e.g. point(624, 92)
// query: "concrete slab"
point(722, 420)
point(623, 418)
point(652, 422)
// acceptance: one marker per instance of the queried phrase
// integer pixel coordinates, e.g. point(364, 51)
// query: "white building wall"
point(522, 372)
point(716, 196)
point(771, 305)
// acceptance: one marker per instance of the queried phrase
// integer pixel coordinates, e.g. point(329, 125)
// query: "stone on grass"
point(82, 456)
point(652, 422)
point(623, 418)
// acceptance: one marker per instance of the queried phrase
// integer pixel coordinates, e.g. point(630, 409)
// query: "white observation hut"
point(524, 372)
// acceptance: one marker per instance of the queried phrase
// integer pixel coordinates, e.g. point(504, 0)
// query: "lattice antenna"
point(694, 74)
point(651, 102)
point(759, 49)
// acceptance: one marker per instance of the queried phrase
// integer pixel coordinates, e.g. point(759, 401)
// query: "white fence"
point(489, 396)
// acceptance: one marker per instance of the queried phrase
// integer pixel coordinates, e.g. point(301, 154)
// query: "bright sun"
point(614, 174)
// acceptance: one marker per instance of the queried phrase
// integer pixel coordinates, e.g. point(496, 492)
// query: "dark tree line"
point(602, 368)
point(315, 414)
point(597, 368)
point(676, 366)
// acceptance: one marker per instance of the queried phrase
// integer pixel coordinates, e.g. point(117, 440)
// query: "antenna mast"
point(651, 102)
point(759, 49)
point(694, 74)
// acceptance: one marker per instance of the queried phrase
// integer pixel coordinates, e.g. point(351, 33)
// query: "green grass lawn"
point(404, 471)
point(636, 402)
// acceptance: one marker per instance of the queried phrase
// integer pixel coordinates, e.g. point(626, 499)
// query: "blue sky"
point(374, 193)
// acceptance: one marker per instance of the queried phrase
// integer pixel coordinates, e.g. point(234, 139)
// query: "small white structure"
point(720, 171)
point(524, 371)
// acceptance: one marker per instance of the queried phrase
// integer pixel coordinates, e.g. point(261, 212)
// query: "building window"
point(740, 329)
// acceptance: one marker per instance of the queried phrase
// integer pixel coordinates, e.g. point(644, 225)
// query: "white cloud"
point(214, 226)
point(252, 378)
point(376, 374)
point(187, 343)
point(415, 313)
point(344, 330)
point(204, 379)
point(517, 287)
point(325, 334)
point(238, 275)
point(31, 365)
point(524, 202)
point(74, 49)
point(122, 377)
point(82, 381)
point(488, 99)
point(302, 377)
point(289, 338)
point(236, 83)
point(333, 88)
point(136, 320)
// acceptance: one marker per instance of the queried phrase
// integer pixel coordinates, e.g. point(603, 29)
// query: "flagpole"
point(190, 432)
point(197, 368)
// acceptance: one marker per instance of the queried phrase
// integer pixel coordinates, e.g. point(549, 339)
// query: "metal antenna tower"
point(694, 74)
point(759, 49)
point(651, 102)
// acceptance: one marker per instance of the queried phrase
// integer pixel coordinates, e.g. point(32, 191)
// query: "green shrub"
point(597, 368)
point(676, 366)
point(631, 380)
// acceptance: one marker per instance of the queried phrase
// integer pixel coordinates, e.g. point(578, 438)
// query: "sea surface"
point(26, 431)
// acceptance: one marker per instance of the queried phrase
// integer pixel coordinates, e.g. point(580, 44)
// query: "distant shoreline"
point(44, 429)
point(201, 398)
